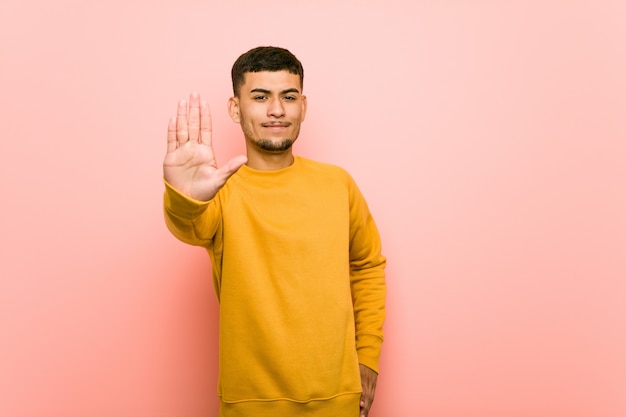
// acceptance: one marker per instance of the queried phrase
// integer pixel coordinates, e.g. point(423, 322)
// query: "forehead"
point(270, 80)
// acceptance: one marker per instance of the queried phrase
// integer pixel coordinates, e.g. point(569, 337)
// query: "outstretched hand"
point(368, 383)
point(190, 166)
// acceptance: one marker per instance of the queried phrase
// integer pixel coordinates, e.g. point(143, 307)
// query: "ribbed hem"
point(346, 405)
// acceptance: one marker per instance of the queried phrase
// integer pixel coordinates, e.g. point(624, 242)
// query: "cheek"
point(249, 116)
point(299, 115)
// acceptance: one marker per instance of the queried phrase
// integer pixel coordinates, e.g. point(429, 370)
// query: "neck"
point(270, 161)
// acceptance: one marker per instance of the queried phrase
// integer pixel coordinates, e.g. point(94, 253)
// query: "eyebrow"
point(264, 91)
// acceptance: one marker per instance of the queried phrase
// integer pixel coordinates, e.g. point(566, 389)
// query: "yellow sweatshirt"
point(299, 275)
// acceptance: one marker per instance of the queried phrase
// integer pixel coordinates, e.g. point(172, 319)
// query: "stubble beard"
point(271, 146)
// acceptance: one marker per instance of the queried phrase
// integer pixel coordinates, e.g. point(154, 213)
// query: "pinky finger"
point(172, 143)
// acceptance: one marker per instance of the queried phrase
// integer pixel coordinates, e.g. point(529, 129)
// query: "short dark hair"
point(264, 58)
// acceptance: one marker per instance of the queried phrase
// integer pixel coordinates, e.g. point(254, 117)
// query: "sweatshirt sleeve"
point(191, 221)
point(367, 280)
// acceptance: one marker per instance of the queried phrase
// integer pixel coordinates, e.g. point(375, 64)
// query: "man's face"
point(270, 108)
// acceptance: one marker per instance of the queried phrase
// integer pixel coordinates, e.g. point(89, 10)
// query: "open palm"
point(190, 166)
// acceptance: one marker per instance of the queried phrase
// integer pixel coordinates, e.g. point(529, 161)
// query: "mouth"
point(276, 124)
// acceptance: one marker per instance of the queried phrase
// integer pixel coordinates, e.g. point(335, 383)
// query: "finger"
point(181, 123)
point(366, 404)
point(205, 124)
point(172, 143)
point(193, 122)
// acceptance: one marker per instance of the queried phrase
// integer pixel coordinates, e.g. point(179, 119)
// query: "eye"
point(260, 97)
point(290, 98)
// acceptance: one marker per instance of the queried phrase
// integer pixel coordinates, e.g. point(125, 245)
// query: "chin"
point(274, 145)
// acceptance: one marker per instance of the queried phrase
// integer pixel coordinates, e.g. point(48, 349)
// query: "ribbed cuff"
point(368, 350)
point(185, 206)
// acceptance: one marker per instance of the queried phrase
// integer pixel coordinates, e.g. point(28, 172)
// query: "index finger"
point(205, 124)
point(172, 143)
point(193, 118)
point(182, 134)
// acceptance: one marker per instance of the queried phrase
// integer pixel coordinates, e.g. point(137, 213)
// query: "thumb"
point(231, 167)
point(234, 164)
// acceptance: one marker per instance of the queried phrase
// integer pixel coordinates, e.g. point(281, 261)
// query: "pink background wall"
point(489, 138)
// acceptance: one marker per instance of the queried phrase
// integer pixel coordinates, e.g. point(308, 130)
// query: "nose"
point(275, 108)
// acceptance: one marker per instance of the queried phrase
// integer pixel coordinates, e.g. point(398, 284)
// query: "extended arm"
point(191, 174)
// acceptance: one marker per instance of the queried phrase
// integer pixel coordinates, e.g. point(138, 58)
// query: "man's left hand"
point(368, 383)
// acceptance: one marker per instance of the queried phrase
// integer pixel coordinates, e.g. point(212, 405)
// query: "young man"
point(295, 253)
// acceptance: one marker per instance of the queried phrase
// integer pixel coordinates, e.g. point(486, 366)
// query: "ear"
point(303, 108)
point(233, 109)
